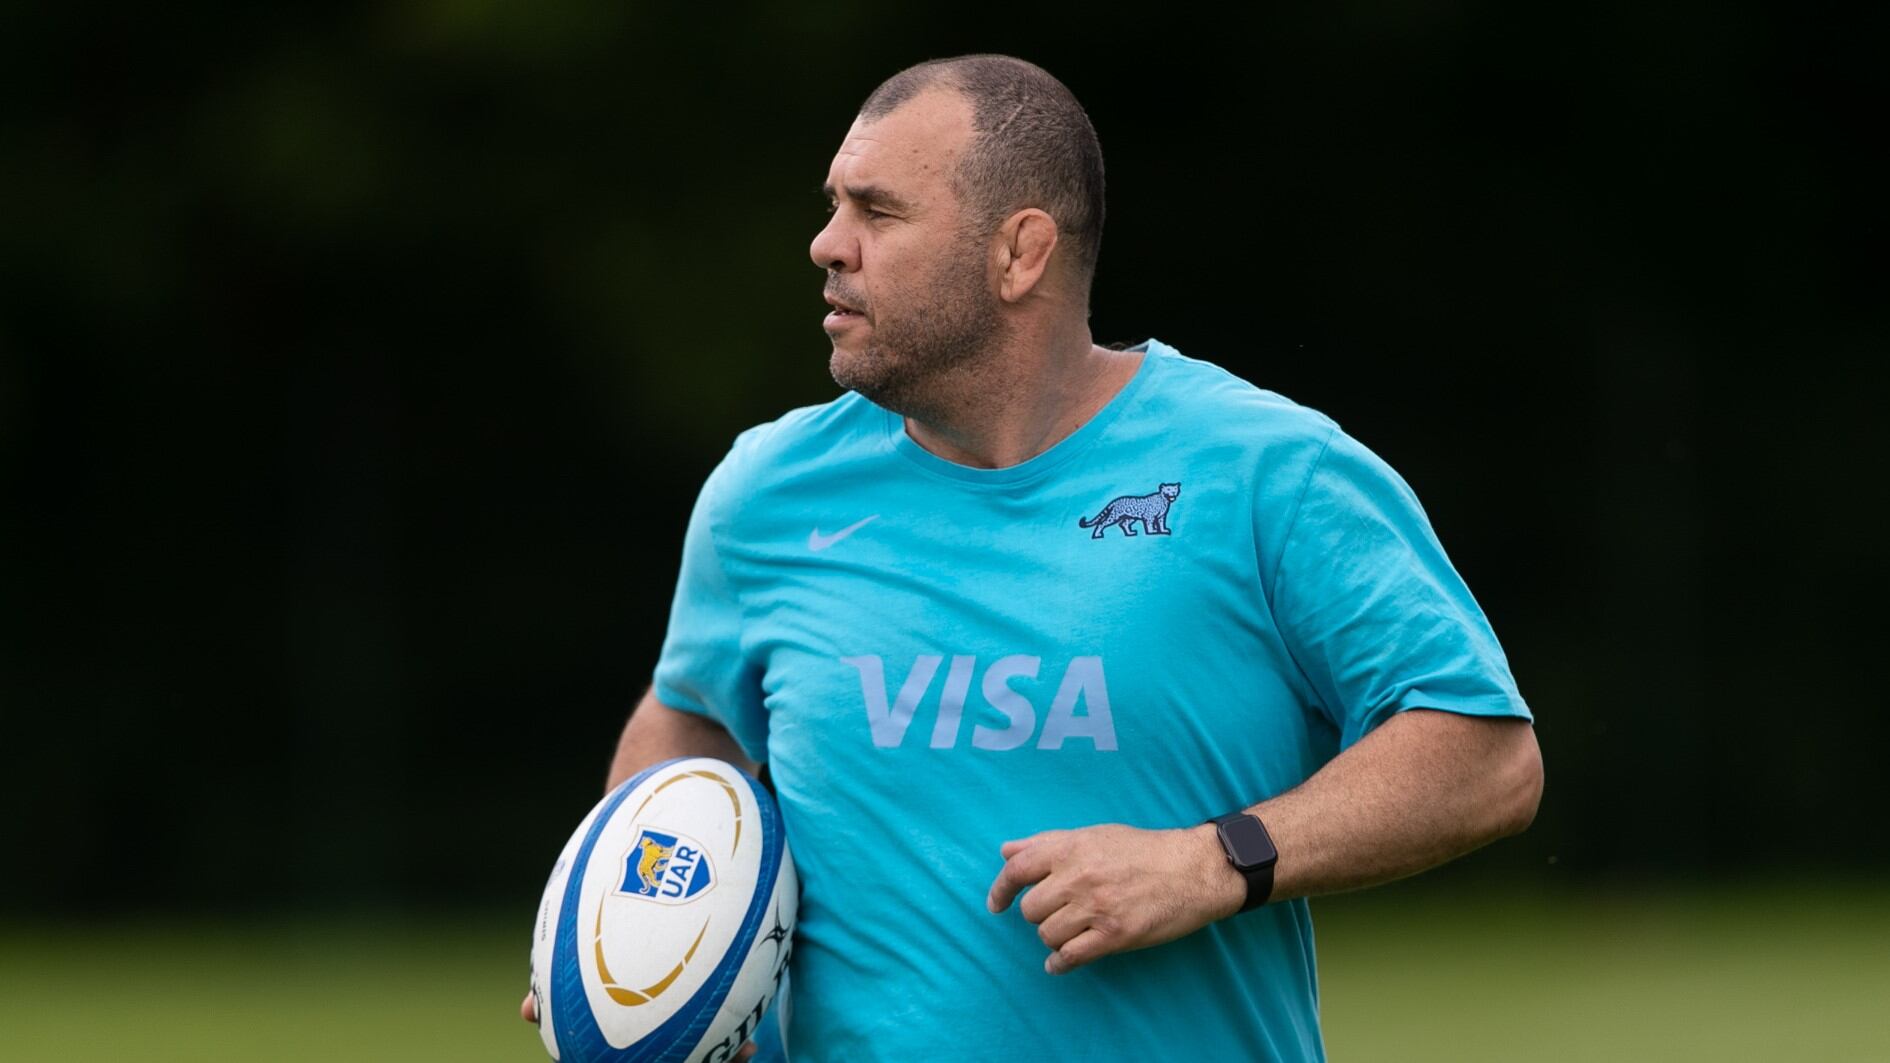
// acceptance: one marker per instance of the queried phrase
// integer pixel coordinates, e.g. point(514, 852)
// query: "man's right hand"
point(654, 733)
point(528, 1010)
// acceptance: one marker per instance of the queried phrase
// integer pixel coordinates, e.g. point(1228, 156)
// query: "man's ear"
point(1025, 241)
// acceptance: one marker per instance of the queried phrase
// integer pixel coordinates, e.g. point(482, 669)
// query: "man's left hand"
point(1111, 888)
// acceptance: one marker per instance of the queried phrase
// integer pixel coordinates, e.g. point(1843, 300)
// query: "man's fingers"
point(1012, 848)
point(1062, 926)
point(1044, 898)
point(1028, 866)
point(1089, 945)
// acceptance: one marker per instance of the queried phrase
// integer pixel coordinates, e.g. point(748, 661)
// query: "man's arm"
point(655, 733)
point(1423, 788)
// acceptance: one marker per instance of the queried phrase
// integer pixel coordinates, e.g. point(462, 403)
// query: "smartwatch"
point(1250, 851)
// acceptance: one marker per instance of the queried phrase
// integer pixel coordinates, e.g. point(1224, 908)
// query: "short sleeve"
point(1371, 608)
point(703, 668)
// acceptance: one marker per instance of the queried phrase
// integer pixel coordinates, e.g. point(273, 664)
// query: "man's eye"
point(868, 212)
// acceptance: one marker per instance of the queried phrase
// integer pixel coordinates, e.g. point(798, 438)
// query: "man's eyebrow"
point(868, 195)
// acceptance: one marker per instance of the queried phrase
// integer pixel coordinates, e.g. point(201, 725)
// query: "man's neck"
point(1026, 400)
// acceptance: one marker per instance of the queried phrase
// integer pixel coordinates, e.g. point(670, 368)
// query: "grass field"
point(1773, 974)
point(1408, 974)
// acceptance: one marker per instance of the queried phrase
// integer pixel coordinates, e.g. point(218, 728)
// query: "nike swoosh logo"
point(818, 542)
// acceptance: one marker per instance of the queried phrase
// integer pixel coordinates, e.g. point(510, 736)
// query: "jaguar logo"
point(1150, 510)
point(666, 867)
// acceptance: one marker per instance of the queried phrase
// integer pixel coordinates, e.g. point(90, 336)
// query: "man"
point(1020, 614)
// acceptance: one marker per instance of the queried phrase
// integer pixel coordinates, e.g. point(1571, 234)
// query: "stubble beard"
point(923, 362)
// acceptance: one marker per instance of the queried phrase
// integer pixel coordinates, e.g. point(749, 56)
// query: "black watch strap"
point(1250, 851)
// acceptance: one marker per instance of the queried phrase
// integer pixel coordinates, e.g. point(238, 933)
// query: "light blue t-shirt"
point(1188, 605)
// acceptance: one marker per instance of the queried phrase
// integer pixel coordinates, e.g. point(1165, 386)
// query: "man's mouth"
point(841, 315)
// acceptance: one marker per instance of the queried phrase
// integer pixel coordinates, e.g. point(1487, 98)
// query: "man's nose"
point(833, 249)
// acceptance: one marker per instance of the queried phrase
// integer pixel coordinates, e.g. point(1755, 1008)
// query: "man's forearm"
point(656, 733)
point(1423, 788)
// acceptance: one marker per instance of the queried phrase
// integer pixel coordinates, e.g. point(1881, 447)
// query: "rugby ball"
point(665, 930)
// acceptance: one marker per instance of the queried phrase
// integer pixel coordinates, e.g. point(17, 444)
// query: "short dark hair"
point(1032, 144)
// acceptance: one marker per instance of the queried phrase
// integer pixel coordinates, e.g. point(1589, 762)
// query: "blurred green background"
point(1758, 972)
point(359, 362)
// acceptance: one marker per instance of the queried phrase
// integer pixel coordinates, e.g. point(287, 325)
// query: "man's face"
point(905, 268)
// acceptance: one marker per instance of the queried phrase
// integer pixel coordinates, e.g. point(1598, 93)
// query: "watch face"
point(1247, 840)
